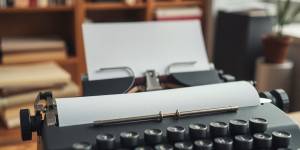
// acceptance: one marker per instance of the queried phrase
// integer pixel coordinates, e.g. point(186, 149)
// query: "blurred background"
point(41, 45)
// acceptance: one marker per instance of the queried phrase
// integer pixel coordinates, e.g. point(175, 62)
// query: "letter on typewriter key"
point(218, 129)
point(183, 146)
point(203, 145)
point(258, 125)
point(153, 136)
point(163, 147)
point(198, 131)
point(238, 127)
point(105, 141)
point(223, 143)
point(175, 133)
point(243, 142)
point(129, 139)
point(82, 146)
point(281, 139)
point(262, 141)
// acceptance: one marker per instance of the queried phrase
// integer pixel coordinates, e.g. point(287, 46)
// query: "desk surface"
point(9, 139)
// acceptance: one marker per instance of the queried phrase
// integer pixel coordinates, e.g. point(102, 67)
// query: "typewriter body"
point(189, 104)
point(132, 134)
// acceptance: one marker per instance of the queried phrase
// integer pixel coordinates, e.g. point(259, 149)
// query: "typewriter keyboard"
point(232, 135)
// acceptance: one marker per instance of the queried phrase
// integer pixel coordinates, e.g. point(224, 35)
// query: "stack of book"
point(20, 84)
point(33, 3)
point(32, 49)
point(181, 13)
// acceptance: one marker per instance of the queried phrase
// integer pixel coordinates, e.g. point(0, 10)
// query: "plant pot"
point(276, 48)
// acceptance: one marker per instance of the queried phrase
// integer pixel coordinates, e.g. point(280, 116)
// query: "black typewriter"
point(263, 127)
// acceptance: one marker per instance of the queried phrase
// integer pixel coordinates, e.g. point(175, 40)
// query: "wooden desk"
point(10, 139)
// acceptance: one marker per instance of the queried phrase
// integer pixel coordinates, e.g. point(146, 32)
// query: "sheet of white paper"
point(143, 46)
point(82, 110)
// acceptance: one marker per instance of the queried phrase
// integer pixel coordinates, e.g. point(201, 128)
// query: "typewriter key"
point(281, 139)
point(175, 133)
point(183, 146)
point(258, 125)
point(243, 142)
point(129, 139)
point(218, 129)
point(105, 141)
point(82, 146)
point(143, 148)
point(238, 127)
point(163, 147)
point(203, 145)
point(262, 141)
point(198, 131)
point(153, 136)
point(223, 143)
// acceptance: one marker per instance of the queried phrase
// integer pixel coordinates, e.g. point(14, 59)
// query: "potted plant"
point(276, 44)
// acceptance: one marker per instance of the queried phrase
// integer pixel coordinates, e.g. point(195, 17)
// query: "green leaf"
point(284, 12)
point(294, 14)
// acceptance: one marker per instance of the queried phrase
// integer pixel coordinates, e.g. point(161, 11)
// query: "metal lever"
point(152, 81)
point(160, 116)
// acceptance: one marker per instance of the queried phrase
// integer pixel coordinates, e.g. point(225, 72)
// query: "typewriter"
point(168, 105)
point(262, 126)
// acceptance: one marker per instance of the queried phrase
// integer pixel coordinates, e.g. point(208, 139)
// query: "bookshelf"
point(66, 22)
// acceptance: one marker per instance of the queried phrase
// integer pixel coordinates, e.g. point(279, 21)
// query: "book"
point(3, 4)
point(19, 90)
point(10, 114)
point(32, 75)
point(32, 3)
point(21, 3)
point(37, 56)
point(21, 44)
point(70, 89)
point(42, 3)
point(181, 13)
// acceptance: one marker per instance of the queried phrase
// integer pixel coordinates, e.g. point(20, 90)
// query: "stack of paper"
point(20, 84)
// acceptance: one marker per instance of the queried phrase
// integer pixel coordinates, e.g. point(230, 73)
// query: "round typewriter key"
point(243, 142)
point(183, 146)
point(153, 136)
point(82, 146)
point(258, 125)
point(175, 133)
point(198, 131)
point(143, 148)
point(163, 147)
point(281, 139)
point(105, 141)
point(262, 141)
point(203, 145)
point(129, 139)
point(218, 129)
point(238, 127)
point(223, 143)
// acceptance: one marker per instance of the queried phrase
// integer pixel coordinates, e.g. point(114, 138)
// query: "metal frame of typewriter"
point(152, 81)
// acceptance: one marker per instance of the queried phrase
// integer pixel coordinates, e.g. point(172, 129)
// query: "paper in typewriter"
point(143, 46)
point(83, 110)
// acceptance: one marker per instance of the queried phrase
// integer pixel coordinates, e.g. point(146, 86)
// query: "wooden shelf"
point(177, 3)
point(37, 9)
point(112, 6)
